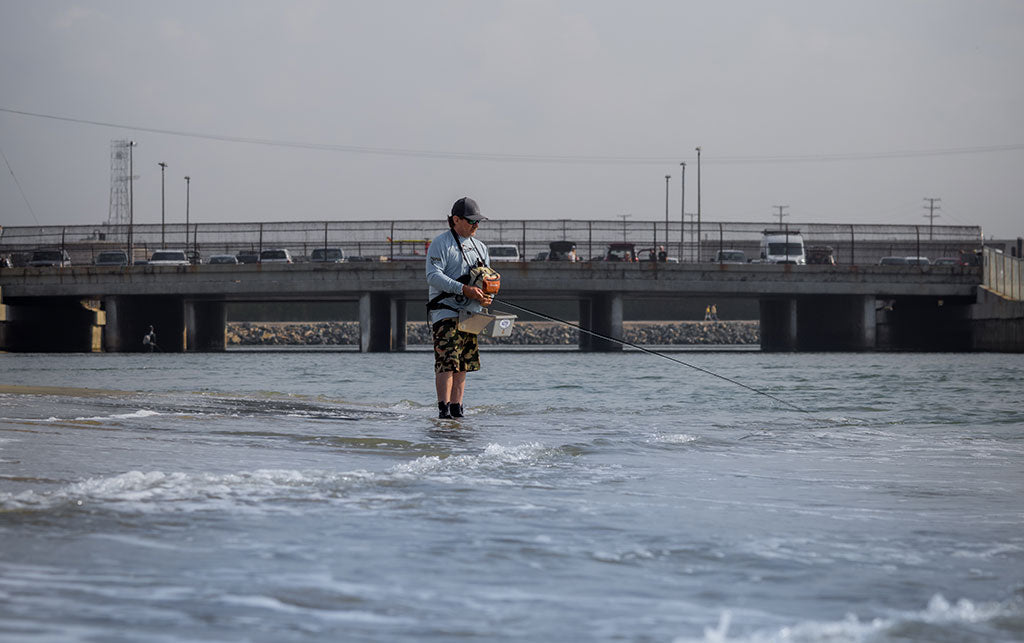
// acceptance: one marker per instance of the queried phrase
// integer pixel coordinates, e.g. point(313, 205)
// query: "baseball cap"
point(468, 210)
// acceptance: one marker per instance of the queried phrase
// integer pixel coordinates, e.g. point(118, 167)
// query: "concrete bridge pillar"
point(3, 322)
point(778, 324)
point(399, 332)
point(585, 340)
point(836, 323)
point(605, 317)
point(205, 326)
point(375, 322)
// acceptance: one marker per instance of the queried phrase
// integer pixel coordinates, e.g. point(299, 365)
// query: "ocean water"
point(313, 496)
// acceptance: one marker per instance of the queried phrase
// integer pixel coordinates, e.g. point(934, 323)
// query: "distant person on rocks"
point(149, 341)
point(707, 313)
point(452, 255)
point(714, 312)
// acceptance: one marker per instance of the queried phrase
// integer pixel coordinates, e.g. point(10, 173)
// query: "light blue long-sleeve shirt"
point(445, 264)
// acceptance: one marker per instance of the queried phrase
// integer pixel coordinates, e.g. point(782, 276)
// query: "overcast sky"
point(846, 112)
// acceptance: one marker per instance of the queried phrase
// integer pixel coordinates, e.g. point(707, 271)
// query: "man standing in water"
point(149, 340)
point(452, 255)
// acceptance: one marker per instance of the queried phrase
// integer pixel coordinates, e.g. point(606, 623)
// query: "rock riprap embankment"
point(524, 333)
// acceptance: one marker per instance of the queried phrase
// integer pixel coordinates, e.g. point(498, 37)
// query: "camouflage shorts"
point(454, 350)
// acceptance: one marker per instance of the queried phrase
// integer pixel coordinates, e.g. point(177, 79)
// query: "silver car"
point(276, 255)
point(169, 258)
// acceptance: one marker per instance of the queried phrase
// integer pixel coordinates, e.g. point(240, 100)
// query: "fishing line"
point(647, 350)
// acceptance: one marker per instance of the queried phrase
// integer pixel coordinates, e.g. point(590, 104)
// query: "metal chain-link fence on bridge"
point(400, 240)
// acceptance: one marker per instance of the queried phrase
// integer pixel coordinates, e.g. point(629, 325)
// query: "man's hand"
point(476, 294)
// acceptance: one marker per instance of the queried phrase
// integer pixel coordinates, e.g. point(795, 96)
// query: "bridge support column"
point(586, 317)
point(375, 322)
point(836, 323)
point(399, 332)
point(3, 321)
point(605, 317)
point(205, 326)
point(778, 324)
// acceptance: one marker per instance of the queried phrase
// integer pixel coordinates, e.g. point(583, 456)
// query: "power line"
point(18, 183)
point(536, 158)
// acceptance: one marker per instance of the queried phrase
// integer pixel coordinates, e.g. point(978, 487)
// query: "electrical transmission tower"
point(120, 176)
point(931, 216)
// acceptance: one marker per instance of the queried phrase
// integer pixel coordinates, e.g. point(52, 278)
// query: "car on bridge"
point(276, 255)
point(168, 258)
point(620, 252)
point(248, 256)
point(918, 261)
point(503, 252)
point(49, 257)
point(223, 260)
point(327, 255)
point(111, 258)
point(892, 261)
point(730, 256)
point(821, 255)
point(561, 251)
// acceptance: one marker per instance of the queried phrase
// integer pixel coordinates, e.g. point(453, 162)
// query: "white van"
point(783, 246)
point(504, 252)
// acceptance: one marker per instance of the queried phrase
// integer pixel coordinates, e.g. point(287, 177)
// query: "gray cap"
point(468, 210)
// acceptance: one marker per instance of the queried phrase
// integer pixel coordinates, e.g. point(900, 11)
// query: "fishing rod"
point(652, 352)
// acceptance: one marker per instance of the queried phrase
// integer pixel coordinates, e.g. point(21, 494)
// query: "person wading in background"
point(149, 340)
point(450, 257)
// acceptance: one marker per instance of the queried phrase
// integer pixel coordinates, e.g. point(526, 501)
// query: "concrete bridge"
point(849, 308)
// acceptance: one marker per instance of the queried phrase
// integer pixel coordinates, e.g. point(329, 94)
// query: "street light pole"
point(682, 210)
point(667, 177)
point(188, 182)
point(698, 203)
point(163, 166)
point(131, 202)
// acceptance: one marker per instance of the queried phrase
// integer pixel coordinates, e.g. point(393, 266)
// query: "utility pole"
point(682, 210)
point(667, 177)
point(780, 209)
point(188, 195)
point(931, 207)
point(698, 204)
point(131, 202)
point(163, 214)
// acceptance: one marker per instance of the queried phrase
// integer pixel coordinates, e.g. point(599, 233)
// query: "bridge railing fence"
point(408, 239)
point(1003, 274)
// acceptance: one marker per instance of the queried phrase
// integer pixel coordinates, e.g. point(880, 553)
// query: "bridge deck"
point(307, 281)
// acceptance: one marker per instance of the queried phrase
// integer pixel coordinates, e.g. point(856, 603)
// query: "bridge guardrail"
point(1004, 275)
point(851, 243)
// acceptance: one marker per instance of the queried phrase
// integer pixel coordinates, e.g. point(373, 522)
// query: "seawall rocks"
point(524, 333)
